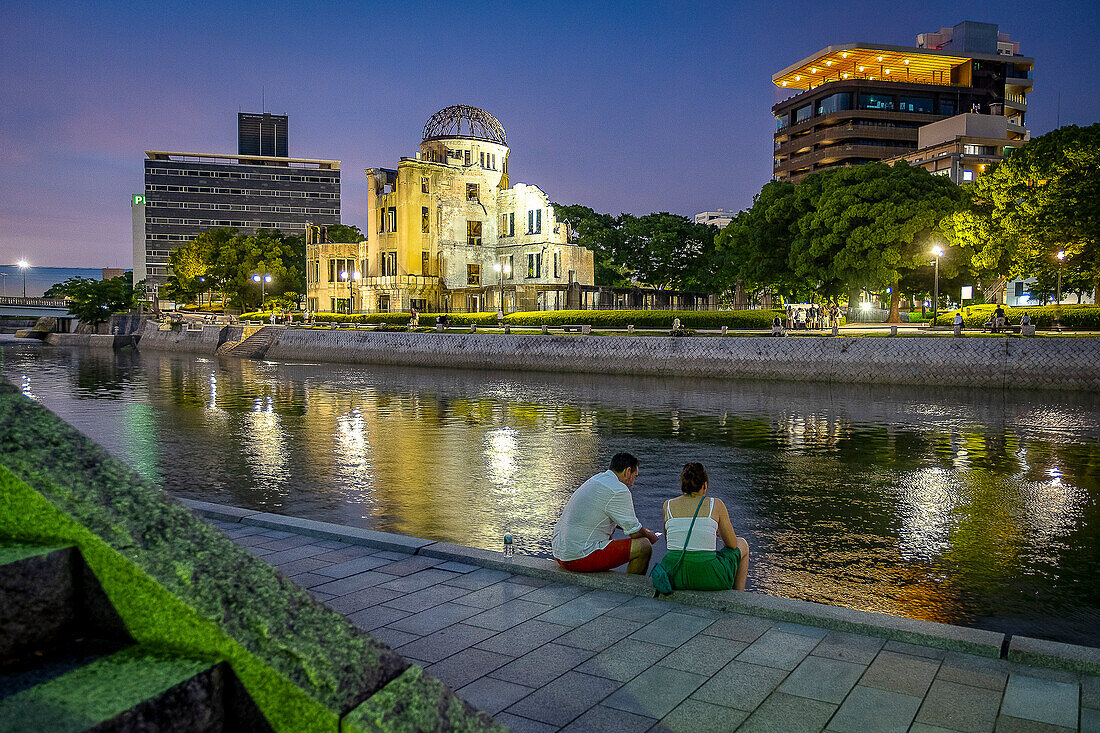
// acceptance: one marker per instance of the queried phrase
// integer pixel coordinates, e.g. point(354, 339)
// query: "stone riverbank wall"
point(1057, 363)
point(205, 340)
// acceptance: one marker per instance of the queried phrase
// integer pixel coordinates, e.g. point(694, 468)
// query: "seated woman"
point(703, 566)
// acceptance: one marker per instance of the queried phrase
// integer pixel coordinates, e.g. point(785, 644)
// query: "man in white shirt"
point(582, 538)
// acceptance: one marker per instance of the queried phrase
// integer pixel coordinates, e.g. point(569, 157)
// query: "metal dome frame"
point(447, 122)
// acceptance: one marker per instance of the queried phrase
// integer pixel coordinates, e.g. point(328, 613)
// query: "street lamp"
point(23, 265)
point(937, 252)
point(349, 277)
point(502, 270)
point(1058, 314)
point(263, 280)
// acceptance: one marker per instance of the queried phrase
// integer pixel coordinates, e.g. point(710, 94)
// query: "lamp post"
point(4, 277)
point(1058, 314)
point(263, 280)
point(502, 270)
point(23, 265)
point(937, 252)
point(349, 277)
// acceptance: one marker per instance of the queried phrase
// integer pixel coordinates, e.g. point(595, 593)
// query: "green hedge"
point(1074, 317)
point(597, 319)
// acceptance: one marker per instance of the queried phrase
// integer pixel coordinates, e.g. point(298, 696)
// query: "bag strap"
point(687, 538)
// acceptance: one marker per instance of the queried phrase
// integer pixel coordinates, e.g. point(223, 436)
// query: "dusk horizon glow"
point(624, 108)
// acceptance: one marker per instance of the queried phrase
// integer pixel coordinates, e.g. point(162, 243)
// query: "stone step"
point(38, 597)
point(135, 689)
point(42, 664)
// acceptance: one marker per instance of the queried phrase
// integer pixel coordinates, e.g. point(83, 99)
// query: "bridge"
point(33, 307)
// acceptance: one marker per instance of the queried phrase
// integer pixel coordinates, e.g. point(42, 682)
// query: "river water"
point(955, 505)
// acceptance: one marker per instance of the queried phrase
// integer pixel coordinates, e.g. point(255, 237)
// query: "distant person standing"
point(958, 324)
point(998, 319)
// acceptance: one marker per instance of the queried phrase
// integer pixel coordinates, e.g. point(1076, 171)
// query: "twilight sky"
point(633, 107)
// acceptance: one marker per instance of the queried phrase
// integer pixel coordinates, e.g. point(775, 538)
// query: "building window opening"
point(391, 219)
point(472, 192)
point(534, 264)
point(424, 184)
point(511, 266)
point(473, 233)
point(803, 113)
point(473, 275)
point(425, 263)
point(534, 221)
point(876, 101)
point(557, 264)
point(466, 157)
point(425, 219)
point(916, 104)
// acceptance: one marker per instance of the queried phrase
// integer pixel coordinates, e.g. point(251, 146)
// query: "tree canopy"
point(224, 261)
point(93, 301)
point(659, 249)
point(870, 226)
point(344, 233)
point(1043, 198)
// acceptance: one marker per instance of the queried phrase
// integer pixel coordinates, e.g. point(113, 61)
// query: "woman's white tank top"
point(704, 536)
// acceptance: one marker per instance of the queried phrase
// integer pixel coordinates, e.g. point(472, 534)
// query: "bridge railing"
point(41, 302)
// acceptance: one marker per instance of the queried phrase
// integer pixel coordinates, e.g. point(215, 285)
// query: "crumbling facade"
point(447, 233)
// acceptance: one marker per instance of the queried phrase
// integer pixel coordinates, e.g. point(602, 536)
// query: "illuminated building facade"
point(964, 146)
point(188, 193)
point(862, 102)
point(447, 232)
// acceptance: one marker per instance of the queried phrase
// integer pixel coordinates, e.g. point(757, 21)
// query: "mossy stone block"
point(416, 702)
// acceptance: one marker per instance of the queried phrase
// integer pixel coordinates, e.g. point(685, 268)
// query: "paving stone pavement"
point(542, 656)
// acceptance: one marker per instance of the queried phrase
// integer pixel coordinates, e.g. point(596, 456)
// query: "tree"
point(93, 301)
point(344, 233)
point(872, 225)
point(190, 264)
point(599, 233)
point(1044, 197)
point(668, 250)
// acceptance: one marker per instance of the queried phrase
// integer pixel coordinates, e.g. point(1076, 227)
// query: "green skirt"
point(703, 569)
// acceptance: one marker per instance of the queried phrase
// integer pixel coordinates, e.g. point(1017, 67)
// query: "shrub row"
point(597, 319)
point(1075, 317)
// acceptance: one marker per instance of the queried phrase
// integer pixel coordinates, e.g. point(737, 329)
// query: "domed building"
point(447, 232)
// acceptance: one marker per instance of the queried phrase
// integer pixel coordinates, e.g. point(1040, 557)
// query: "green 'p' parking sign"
point(138, 200)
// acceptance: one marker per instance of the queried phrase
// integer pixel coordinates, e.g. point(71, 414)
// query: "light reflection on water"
point(959, 506)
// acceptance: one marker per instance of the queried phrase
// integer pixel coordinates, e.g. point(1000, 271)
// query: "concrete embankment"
point(91, 340)
point(1066, 363)
point(205, 340)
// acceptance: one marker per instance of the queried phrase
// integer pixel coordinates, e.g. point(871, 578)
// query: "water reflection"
point(959, 506)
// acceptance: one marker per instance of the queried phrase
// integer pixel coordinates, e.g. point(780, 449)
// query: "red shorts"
point(615, 554)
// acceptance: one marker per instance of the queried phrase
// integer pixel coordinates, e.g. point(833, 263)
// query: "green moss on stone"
point(416, 702)
point(177, 583)
point(15, 553)
point(97, 692)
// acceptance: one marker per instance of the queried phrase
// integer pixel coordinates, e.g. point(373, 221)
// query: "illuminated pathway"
point(542, 656)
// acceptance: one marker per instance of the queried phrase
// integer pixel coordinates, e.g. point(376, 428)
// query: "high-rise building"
point(964, 146)
point(189, 193)
point(262, 134)
point(861, 102)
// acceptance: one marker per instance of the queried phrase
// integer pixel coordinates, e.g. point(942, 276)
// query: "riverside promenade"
point(544, 650)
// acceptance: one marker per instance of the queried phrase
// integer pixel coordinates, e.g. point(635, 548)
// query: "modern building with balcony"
point(447, 233)
point(258, 188)
point(964, 146)
point(862, 102)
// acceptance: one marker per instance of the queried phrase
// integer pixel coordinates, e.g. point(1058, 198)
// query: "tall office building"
point(861, 102)
point(262, 134)
point(189, 193)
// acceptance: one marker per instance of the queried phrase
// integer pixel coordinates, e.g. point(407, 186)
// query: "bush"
point(1075, 317)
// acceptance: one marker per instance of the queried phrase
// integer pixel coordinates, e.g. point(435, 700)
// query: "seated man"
point(582, 538)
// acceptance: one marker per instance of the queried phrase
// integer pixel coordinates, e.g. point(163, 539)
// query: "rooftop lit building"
point(861, 102)
point(719, 217)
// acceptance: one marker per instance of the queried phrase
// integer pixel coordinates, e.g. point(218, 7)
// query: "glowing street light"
point(1061, 257)
point(349, 277)
point(263, 280)
point(502, 270)
point(23, 265)
point(937, 252)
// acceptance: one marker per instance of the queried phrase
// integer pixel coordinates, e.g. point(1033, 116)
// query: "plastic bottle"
point(509, 547)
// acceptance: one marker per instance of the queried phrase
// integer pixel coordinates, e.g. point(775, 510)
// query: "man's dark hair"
point(622, 461)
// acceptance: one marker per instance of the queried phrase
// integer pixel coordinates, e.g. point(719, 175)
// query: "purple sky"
point(632, 107)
